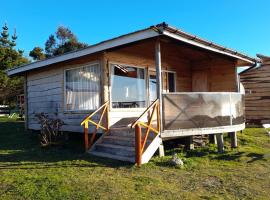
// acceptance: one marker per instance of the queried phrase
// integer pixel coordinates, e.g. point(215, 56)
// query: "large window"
point(128, 86)
point(82, 88)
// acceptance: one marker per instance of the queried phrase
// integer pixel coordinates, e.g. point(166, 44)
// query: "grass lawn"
point(28, 171)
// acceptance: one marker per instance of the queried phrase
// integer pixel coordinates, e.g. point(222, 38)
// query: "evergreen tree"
point(9, 57)
point(4, 41)
point(50, 46)
point(62, 42)
point(37, 53)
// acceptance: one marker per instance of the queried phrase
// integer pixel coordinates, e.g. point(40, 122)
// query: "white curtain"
point(83, 88)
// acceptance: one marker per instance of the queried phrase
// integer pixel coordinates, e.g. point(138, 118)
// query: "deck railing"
point(152, 111)
point(104, 110)
point(190, 110)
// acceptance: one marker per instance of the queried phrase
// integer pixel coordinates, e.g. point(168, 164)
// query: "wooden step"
point(123, 141)
point(112, 156)
point(128, 132)
point(122, 132)
point(119, 144)
point(118, 150)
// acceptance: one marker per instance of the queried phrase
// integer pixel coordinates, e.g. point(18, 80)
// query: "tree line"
point(62, 41)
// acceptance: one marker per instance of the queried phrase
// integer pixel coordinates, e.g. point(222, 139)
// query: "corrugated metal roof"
point(152, 31)
point(164, 26)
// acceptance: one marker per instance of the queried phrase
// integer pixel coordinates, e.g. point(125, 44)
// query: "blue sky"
point(240, 24)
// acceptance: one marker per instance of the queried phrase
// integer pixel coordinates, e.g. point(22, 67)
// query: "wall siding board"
point(46, 94)
point(257, 99)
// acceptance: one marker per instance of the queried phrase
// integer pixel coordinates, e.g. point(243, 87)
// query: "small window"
point(169, 81)
point(82, 88)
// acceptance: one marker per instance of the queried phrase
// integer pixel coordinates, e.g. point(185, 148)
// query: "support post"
point(159, 80)
point(212, 139)
point(138, 144)
point(161, 150)
point(233, 136)
point(86, 141)
point(105, 78)
point(220, 142)
point(189, 143)
point(25, 103)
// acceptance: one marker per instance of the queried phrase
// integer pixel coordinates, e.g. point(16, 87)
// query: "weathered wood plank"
point(257, 99)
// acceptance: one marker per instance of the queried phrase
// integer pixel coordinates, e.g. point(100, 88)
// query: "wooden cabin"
point(139, 89)
point(256, 81)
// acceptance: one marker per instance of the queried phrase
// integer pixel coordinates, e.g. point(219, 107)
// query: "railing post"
point(86, 141)
point(138, 144)
point(107, 117)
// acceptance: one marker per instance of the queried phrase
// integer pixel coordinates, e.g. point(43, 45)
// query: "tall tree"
point(37, 53)
point(9, 57)
point(50, 46)
point(63, 41)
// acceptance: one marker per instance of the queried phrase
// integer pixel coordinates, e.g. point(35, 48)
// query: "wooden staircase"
point(125, 143)
point(119, 144)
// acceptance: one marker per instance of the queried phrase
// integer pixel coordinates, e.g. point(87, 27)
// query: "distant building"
point(256, 81)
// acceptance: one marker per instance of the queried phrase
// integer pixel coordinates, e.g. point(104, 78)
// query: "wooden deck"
point(171, 134)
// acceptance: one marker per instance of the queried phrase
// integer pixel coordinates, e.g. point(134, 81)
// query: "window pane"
point(83, 88)
point(171, 81)
point(152, 87)
point(128, 87)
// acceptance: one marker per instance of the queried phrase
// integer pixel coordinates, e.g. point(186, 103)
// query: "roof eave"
point(194, 40)
point(153, 31)
point(122, 40)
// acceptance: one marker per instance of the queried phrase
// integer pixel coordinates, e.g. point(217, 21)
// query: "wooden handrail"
point(144, 113)
point(88, 119)
point(152, 110)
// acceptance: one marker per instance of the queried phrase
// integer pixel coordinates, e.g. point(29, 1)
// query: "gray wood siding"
point(45, 93)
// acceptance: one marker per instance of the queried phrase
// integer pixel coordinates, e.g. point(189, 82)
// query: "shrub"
point(50, 130)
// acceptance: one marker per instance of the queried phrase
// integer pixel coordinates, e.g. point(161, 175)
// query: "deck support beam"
point(159, 79)
point(161, 150)
point(233, 136)
point(212, 139)
point(189, 143)
point(220, 142)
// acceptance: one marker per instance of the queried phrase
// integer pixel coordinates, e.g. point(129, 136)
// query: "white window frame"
point(76, 67)
point(166, 71)
point(174, 74)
